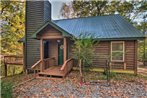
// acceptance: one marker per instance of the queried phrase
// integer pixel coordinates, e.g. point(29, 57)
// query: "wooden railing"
point(49, 62)
point(67, 66)
point(37, 65)
point(46, 62)
point(12, 59)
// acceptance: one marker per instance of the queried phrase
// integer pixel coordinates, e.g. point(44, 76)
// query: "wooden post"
point(5, 65)
point(65, 49)
point(125, 65)
point(41, 54)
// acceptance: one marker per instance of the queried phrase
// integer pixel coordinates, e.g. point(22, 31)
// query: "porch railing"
point(46, 63)
point(67, 66)
point(37, 65)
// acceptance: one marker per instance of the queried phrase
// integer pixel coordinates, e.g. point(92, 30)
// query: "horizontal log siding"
point(130, 54)
point(102, 53)
point(50, 31)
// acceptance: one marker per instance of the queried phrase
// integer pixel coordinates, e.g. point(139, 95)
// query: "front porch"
point(55, 51)
point(55, 60)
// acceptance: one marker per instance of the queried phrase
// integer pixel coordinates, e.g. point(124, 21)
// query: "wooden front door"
point(60, 54)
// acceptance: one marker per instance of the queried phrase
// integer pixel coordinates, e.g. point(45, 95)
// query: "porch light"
point(58, 41)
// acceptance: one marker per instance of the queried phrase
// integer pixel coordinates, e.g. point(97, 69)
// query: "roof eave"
point(129, 38)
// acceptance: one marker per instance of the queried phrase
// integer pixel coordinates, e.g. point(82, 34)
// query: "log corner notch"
point(135, 57)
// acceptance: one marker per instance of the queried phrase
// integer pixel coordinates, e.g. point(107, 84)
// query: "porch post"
point(41, 54)
point(65, 49)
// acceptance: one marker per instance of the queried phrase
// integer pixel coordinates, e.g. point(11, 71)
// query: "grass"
point(6, 90)
point(94, 74)
point(7, 83)
point(113, 70)
point(16, 79)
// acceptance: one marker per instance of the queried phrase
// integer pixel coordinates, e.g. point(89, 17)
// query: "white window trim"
point(123, 51)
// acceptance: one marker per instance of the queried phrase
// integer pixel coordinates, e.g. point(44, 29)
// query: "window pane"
point(117, 55)
point(117, 46)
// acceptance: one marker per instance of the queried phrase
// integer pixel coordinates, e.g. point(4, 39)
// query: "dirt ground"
point(121, 86)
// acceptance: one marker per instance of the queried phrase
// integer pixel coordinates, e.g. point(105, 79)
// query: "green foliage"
point(84, 8)
point(141, 52)
point(6, 90)
point(12, 29)
point(12, 70)
point(83, 48)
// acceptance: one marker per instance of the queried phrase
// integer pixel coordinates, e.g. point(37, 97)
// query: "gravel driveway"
point(70, 88)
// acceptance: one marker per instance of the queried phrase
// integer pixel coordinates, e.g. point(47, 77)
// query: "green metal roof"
point(64, 33)
point(111, 27)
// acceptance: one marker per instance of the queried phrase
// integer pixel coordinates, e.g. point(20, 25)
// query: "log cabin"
point(47, 43)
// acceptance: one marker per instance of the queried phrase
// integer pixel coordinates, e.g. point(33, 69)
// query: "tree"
point(12, 27)
point(83, 8)
point(83, 49)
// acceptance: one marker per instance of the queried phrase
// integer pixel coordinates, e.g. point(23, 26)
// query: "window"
point(117, 51)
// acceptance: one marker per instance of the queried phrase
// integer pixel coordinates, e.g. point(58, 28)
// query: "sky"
point(56, 7)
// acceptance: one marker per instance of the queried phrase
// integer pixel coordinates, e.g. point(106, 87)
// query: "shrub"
point(6, 90)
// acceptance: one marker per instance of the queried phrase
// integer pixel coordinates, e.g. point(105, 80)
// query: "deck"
point(49, 69)
point(53, 71)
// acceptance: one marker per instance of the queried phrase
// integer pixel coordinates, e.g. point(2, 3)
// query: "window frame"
point(122, 42)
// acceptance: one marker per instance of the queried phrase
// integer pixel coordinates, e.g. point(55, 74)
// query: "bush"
point(6, 90)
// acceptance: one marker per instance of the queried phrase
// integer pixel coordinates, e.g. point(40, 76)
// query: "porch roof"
point(64, 33)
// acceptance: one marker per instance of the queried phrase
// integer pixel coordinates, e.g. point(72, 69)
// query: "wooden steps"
point(53, 71)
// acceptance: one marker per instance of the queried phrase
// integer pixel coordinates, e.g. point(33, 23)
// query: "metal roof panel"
point(104, 27)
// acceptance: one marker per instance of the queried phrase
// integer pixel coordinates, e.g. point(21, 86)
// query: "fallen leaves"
point(70, 88)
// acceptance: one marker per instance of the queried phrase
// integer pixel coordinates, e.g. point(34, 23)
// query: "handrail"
point(38, 62)
point(49, 58)
point(65, 64)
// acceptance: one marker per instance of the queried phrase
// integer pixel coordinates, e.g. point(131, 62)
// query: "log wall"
point(103, 52)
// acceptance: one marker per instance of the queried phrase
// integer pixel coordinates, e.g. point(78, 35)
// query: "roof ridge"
point(87, 17)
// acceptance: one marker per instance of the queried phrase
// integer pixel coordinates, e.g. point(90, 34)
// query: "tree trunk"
point(81, 73)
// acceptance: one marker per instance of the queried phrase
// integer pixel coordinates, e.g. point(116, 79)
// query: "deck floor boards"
point(53, 71)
